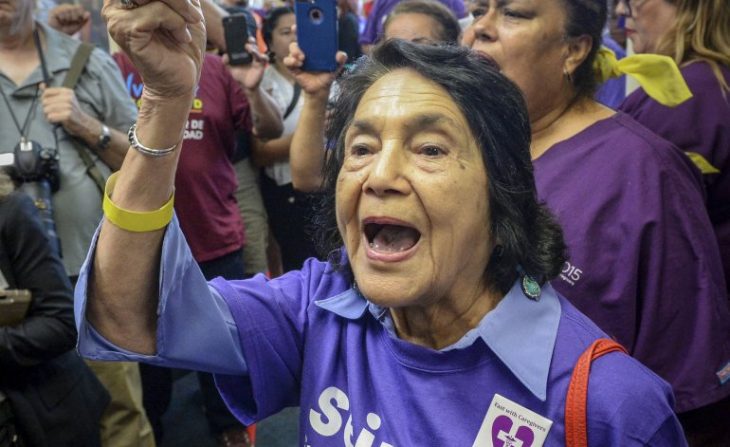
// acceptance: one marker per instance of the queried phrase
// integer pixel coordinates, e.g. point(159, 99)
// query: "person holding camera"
point(48, 396)
point(74, 129)
point(90, 118)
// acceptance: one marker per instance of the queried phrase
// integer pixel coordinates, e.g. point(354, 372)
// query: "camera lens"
point(316, 16)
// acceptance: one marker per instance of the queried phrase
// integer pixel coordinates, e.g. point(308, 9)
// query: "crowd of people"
point(419, 248)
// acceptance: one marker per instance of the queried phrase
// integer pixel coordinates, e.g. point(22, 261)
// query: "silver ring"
point(129, 4)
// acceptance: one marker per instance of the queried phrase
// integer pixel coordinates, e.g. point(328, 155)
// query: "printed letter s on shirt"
point(331, 423)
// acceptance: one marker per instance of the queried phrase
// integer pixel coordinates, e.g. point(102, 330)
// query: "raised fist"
point(165, 39)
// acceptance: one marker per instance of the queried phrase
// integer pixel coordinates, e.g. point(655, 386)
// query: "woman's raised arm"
point(165, 40)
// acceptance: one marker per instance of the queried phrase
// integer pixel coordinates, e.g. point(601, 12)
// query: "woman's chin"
point(637, 44)
point(388, 291)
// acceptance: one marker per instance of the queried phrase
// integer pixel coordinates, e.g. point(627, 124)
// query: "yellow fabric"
point(135, 221)
point(658, 75)
point(702, 163)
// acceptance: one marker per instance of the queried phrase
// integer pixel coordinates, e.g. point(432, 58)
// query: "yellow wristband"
point(135, 221)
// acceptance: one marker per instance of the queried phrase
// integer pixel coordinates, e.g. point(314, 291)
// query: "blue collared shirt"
point(196, 330)
point(308, 338)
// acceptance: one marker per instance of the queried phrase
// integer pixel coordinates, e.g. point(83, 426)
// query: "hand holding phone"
point(236, 32)
point(317, 33)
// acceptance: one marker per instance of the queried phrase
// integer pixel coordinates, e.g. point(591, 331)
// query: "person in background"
point(253, 19)
point(289, 211)
point(696, 34)
point(442, 282)
point(420, 21)
point(48, 396)
point(374, 29)
point(68, 18)
point(348, 29)
point(248, 193)
point(96, 115)
point(86, 126)
point(642, 264)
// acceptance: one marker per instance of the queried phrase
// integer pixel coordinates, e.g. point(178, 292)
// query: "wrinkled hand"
point(61, 107)
point(165, 39)
point(249, 76)
point(68, 19)
point(312, 83)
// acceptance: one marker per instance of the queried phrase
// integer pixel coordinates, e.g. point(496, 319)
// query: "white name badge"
point(508, 424)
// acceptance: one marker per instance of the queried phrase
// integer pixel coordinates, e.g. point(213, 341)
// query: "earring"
point(568, 75)
point(530, 287)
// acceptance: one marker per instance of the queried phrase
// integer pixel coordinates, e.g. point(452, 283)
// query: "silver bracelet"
point(134, 142)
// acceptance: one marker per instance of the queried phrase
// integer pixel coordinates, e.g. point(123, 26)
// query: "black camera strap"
point(46, 76)
point(23, 131)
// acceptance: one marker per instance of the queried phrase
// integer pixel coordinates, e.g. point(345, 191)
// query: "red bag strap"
point(576, 427)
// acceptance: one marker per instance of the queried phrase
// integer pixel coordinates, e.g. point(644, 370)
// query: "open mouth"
point(389, 238)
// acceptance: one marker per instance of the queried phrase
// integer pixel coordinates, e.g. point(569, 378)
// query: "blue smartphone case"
point(317, 33)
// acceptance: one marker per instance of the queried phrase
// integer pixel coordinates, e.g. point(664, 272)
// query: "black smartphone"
point(236, 33)
point(317, 33)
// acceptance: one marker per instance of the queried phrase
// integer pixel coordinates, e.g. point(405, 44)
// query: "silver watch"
point(105, 138)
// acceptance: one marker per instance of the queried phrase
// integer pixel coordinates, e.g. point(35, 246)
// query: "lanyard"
point(26, 128)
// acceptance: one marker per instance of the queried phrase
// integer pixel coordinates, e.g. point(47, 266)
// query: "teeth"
point(373, 245)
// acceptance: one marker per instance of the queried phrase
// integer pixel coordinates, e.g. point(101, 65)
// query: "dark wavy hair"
point(529, 239)
point(449, 30)
point(586, 17)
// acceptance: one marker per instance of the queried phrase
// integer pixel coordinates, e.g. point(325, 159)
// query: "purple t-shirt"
point(641, 265)
point(700, 125)
point(374, 25)
point(308, 338)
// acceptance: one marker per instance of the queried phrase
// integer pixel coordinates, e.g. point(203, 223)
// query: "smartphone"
point(14, 306)
point(317, 33)
point(235, 29)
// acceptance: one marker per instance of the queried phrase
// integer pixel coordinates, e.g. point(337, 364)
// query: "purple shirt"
point(700, 125)
point(309, 339)
point(381, 8)
point(641, 263)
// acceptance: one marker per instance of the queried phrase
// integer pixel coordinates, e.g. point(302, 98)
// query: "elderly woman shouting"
point(643, 263)
point(434, 325)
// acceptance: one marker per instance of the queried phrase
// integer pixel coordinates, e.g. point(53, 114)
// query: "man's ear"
point(578, 50)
